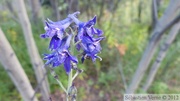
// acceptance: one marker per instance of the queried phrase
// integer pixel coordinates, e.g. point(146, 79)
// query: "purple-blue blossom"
point(56, 30)
point(91, 48)
point(61, 56)
point(86, 39)
point(89, 37)
point(86, 28)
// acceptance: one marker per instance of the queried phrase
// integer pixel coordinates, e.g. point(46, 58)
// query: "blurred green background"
point(127, 26)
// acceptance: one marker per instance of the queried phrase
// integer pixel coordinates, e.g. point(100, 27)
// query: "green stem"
point(77, 42)
point(56, 77)
point(75, 76)
point(61, 85)
point(69, 80)
point(69, 85)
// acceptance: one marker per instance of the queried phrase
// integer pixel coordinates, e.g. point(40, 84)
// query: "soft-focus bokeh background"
point(127, 25)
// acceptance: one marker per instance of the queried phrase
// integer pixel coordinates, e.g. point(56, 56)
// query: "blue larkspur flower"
point(55, 31)
point(87, 39)
point(91, 48)
point(86, 34)
point(61, 56)
point(86, 28)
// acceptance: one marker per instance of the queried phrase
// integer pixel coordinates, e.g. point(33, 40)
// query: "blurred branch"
point(36, 11)
point(115, 7)
point(158, 35)
point(139, 10)
point(173, 57)
point(32, 49)
point(154, 12)
point(101, 11)
point(73, 6)
point(87, 9)
point(119, 64)
point(161, 55)
point(54, 5)
point(163, 24)
point(12, 12)
point(14, 69)
point(113, 12)
point(39, 84)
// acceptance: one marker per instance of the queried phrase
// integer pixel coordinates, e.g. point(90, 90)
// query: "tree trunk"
point(32, 49)
point(154, 12)
point(11, 11)
point(161, 55)
point(157, 33)
point(54, 4)
point(36, 10)
point(14, 69)
point(73, 6)
point(101, 12)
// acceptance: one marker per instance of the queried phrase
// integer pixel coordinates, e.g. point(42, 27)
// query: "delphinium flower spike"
point(86, 38)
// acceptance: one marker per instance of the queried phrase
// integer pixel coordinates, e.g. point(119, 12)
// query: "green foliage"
point(159, 88)
point(7, 87)
point(105, 78)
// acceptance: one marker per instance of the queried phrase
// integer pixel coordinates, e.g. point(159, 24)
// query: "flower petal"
point(57, 63)
point(94, 20)
point(67, 65)
point(91, 47)
point(68, 41)
point(90, 23)
point(54, 43)
point(73, 17)
point(99, 32)
point(43, 36)
point(82, 59)
point(73, 58)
